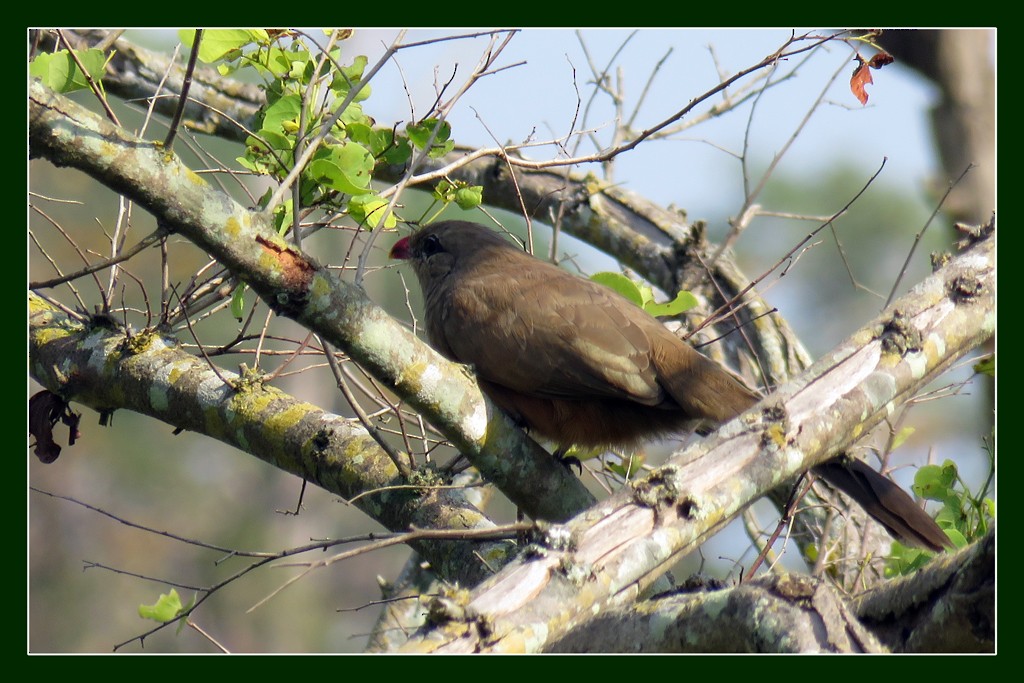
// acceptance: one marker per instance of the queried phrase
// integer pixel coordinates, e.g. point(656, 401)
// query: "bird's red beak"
point(401, 249)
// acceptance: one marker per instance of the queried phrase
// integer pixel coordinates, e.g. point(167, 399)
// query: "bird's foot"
point(569, 461)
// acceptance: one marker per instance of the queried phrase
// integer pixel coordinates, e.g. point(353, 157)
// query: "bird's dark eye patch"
point(432, 245)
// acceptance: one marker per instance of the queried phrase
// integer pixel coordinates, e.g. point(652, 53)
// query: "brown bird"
point(577, 363)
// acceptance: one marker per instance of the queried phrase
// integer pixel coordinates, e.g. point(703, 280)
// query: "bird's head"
point(435, 251)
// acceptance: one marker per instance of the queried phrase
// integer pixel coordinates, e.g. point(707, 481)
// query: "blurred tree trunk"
point(960, 64)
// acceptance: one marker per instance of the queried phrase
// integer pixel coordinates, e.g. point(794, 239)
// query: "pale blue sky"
point(540, 96)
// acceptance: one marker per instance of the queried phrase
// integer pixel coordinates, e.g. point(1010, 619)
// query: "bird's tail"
point(701, 387)
point(887, 503)
point(704, 388)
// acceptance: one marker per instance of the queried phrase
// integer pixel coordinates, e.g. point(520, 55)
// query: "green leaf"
point(397, 151)
point(300, 67)
point(932, 481)
point(356, 163)
point(950, 514)
point(326, 172)
point(278, 62)
point(286, 108)
point(811, 552)
point(249, 165)
point(683, 302)
point(582, 453)
point(443, 191)
point(420, 134)
point(359, 131)
point(986, 366)
point(628, 467)
point(283, 217)
point(959, 540)
point(238, 302)
point(166, 608)
point(347, 168)
point(469, 197)
point(258, 152)
point(351, 77)
point(617, 469)
point(903, 560)
point(354, 71)
point(59, 72)
point(354, 114)
point(643, 296)
point(621, 284)
point(277, 140)
point(381, 142)
point(646, 293)
point(949, 472)
point(902, 436)
point(368, 209)
point(219, 43)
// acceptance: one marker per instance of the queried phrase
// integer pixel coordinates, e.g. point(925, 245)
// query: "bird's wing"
point(547, 333)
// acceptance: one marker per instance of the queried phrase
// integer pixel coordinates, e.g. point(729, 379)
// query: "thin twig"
point(920, 234)
point(191, 624)
point(144, 244)
point(75, 246)
point(810, 236)
point(796, 497)
point(199, 345)
point(481, 70)
point(776, 158)
point(493, 533)
point(185, 85)
point(153, 530)
point(89, 79)
point(404, 467)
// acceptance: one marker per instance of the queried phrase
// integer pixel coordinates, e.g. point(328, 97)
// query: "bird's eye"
point(432, 245)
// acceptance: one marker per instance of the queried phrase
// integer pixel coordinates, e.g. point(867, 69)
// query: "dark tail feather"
point(887, 503)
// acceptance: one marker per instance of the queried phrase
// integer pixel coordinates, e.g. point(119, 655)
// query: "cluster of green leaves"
point(964, 516)
point(643, 295)
point(59, 71)
point(457, 192)
point(308, 92)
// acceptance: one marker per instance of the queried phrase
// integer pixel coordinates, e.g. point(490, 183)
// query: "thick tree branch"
point(217, 105)
point(948, 606)
point(294, 285)
point(107, 368)
point(959, 63)
point(773, 614)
